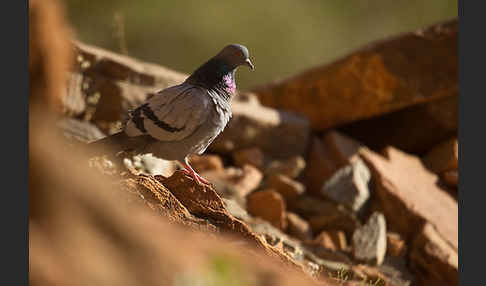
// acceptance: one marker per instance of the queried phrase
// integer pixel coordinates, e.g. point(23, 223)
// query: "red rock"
point(433, 259)
point(298, 227)
point(344, 149)
point(443, 157)
point(382, 77)
point(287, 187)
point(250, 156)
point(202, 163)
point(268, 205)
point(408, 194)
point(395, 245)
point(319, 167)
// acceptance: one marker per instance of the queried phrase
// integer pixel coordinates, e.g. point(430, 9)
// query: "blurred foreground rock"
point(50, 55)
point(89, 228)
point(385, 76)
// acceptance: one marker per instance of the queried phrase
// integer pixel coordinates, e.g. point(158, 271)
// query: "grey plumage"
point(184, 119)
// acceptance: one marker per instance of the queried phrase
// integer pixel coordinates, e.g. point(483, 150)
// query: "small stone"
point(451, 178)
point(251, 156)
point(287, 187)
point(202, 163)
point(298, 227)
point(268, 205)
point(332, 239)
point(325, 215)
point(443, 157)
point(349, 185)
point(291, 167)
point(369, 241)
point(234, 182)
point(395, 245)
point(249, 181)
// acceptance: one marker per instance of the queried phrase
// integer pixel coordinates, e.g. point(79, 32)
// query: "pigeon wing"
point(170, 115)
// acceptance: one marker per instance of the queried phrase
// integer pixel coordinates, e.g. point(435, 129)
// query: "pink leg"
point(190, 171)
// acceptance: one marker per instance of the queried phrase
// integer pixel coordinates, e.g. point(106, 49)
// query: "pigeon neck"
point(217, 75)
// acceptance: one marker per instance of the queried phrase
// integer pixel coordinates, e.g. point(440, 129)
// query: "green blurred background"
point(283, 36)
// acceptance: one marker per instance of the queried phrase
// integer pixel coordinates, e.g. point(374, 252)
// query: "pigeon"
point(184, 119)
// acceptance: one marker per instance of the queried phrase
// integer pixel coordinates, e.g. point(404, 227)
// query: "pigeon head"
point(218, 73)
point(235, 55)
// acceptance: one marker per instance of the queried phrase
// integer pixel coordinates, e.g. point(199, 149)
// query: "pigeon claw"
point(195, 176)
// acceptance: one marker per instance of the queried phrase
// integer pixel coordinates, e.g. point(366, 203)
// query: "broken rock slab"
point(433, 259)
point(408, 195)
point(369, 241)
point(384, 76)
point(278, 134)
point(349, 185)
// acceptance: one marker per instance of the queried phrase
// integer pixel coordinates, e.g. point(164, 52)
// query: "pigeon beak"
point(248, 63)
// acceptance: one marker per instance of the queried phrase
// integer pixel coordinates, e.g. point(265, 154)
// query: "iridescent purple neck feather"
point(218, 74)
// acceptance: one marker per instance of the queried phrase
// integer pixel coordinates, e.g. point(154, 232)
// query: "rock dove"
point(184, 119)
